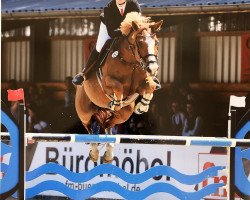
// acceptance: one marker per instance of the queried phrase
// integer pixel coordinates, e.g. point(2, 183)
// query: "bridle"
point(143, 63)
point(142, 59)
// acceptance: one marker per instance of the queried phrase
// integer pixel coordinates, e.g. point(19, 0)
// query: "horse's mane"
point(141, 21)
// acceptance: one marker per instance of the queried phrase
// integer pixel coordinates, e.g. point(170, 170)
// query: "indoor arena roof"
point(53, 8)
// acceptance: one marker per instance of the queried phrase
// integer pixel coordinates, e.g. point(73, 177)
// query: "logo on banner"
point(208, 160)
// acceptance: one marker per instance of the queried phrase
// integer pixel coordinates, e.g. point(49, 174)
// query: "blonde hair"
point(141, 21)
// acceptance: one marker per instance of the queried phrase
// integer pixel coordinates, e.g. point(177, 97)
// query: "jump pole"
point(137, 139)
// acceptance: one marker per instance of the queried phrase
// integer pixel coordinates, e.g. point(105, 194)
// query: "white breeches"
point(103, 36)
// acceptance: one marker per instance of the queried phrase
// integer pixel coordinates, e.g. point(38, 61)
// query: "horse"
point(109, 93)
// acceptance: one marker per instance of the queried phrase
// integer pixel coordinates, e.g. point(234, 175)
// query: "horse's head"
point(146, 44)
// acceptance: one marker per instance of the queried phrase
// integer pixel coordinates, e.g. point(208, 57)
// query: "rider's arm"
point(109, 22)
point(132, 6)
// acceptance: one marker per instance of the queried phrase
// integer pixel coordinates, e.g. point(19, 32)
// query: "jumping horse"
point(109, 93)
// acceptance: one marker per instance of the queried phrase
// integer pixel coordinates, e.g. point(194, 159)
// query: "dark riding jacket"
point(112, 17)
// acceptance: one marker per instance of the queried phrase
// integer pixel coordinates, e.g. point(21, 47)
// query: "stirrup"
point(78, 79)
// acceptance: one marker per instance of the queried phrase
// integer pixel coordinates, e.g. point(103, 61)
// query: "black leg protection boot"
point(93, 58)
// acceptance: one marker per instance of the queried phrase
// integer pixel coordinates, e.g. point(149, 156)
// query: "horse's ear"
point(156, 26)
point(135, 27)
point(134, 32)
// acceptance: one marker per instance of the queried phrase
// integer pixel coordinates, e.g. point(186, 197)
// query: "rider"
point(114, 13)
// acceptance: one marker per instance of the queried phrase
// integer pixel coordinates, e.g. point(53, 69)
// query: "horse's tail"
point(103, 116)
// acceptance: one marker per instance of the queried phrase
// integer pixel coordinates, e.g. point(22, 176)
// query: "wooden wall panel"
point(220, 59)
point(16, 61)
point(67, 58)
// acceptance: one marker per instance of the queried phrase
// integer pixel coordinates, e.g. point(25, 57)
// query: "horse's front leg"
point(143, 105)
point(117, 88)
point(146, 89)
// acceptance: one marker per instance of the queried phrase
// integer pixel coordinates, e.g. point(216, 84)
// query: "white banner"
point(133, 158)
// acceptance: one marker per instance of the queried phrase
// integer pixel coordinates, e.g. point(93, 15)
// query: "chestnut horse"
point(108, 95)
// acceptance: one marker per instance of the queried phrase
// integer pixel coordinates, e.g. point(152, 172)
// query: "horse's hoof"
point(140, 108)
point(108, 158)
point(158, 87)
point(156, 80)
point(94, 157)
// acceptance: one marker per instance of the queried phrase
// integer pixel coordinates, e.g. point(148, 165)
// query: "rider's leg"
point(79, 78)
point(103, 36)
point(92, 61)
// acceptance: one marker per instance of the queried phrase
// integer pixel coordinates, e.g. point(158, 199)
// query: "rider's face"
point(120, 1)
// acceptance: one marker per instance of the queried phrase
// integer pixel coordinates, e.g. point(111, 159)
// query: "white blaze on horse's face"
point(152, 62)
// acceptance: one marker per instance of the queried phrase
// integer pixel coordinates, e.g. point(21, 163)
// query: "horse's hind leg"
point(118, 118)
point(108, 155)
point(94, 152)
point(85, 110)
point(84, 107)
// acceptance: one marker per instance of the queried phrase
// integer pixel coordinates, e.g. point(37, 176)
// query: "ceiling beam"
point(155, 11)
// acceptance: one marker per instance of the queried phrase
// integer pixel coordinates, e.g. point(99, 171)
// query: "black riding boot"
point(93, 58)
